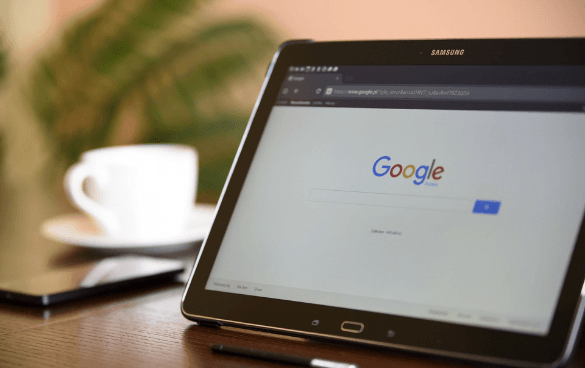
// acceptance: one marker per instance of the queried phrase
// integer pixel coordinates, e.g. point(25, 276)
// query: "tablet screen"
point(447, 193)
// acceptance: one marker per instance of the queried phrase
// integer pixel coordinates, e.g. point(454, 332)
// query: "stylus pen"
point(281, 358)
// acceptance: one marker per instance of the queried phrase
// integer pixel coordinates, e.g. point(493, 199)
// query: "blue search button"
point(486, 207)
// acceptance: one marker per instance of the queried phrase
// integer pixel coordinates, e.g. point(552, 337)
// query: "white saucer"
point(80, 229)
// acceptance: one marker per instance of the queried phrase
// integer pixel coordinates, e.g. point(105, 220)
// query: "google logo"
point(421, 173)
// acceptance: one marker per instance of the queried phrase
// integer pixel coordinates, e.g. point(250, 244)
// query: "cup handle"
point(73, 183)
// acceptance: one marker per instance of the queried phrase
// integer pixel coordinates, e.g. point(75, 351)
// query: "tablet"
point(418, 195)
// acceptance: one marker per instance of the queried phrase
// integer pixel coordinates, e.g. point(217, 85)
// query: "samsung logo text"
point(447, 52)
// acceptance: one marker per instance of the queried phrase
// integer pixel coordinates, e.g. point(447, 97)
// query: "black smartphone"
point(89, 279)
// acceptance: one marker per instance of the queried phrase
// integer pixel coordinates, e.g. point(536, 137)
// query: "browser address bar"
point(483, 93)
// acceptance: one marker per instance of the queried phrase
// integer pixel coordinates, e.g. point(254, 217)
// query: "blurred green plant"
point(153, 71)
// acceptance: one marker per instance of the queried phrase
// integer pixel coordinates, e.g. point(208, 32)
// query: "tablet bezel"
point(294, 318)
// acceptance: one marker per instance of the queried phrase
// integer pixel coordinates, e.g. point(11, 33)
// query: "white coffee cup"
point(138, 191)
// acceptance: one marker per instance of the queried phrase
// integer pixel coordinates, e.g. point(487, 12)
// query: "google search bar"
point(473, 93)
point(392, 200)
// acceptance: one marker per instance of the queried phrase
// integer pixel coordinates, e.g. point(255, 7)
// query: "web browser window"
point(417, 195)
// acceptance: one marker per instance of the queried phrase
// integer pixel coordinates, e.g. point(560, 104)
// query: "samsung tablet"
point(417, 195)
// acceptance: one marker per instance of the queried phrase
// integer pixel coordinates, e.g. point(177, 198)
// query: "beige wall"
point(349, 20)
point(405, 19)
